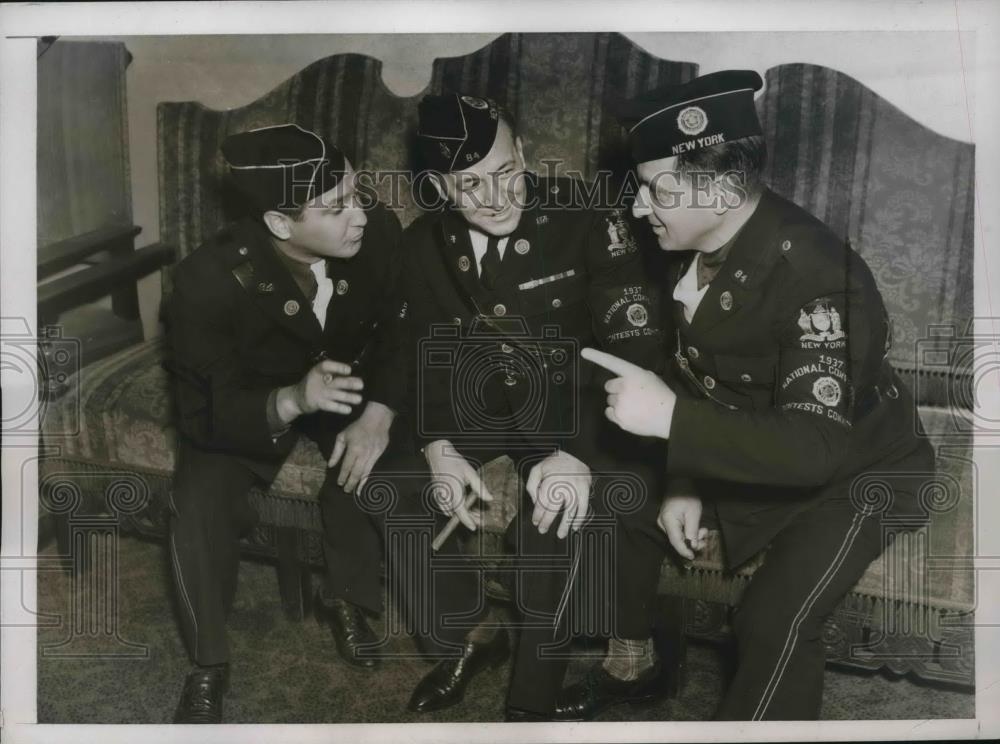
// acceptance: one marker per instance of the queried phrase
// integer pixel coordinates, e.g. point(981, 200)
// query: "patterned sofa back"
point(901, 193)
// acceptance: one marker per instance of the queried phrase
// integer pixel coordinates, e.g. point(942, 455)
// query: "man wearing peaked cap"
point(778, 402)
point(508, 281)
point(281, 325)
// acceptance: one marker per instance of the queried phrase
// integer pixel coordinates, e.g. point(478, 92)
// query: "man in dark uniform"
point(502, 288)
point(778, 401)
point(280, 326)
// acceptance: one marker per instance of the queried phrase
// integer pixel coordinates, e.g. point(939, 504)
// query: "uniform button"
point(786, 245)
point(456, 320)
point(556, 302)
point(693, 352)
point(709, 382)
point(506, 348)
point(499, 309)
point(243, 251)
point(746, 378)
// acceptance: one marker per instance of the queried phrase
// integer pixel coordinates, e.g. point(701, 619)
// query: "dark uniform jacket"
point(570, 277)
point(239, 327)
point(784, 389)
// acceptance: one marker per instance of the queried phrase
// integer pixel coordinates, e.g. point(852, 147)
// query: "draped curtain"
point(83, 171)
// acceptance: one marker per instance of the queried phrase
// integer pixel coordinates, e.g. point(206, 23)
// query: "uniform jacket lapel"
point(750, 259)
point(271, 286)
point(459, 260)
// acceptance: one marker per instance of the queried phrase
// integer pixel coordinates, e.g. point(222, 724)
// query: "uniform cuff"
point(274, 422)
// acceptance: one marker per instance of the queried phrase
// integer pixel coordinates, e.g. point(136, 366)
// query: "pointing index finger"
point(610, 362)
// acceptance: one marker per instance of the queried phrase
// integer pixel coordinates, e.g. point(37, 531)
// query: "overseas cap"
point(675, 119)
point(456, 131)
point(284, 166)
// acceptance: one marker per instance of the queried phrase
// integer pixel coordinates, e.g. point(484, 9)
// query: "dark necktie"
point(490, 267)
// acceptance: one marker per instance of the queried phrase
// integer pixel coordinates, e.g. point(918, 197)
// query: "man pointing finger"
point(639, 401)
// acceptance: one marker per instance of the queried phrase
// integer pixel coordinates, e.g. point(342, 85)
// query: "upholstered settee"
point(901, 193)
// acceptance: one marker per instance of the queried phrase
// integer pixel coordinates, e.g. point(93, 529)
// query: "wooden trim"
point(65, 253)
point(100, 280)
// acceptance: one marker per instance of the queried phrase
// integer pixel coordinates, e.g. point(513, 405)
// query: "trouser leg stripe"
point(180, 580)
point(793, 631)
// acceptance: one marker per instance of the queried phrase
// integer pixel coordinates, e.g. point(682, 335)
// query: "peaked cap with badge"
point(456, 131)
point(676, 119)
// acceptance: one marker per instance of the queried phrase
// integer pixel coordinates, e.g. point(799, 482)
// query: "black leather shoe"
point(350, 630)
point(519, 715)
point(201, 699)
point(599, 691)
point(444, 685)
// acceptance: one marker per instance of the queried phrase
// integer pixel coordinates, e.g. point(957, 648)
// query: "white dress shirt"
point(479, 241)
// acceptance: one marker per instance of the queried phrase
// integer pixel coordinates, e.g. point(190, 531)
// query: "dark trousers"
point(611, 566)
point(209, 511)
point(809, 567)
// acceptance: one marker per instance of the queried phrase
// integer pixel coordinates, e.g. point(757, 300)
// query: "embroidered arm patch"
point(814, 370)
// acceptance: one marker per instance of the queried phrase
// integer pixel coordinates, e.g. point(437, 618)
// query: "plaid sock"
point(627, 659)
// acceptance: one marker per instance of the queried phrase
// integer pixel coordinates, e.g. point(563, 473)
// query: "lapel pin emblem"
point(741, 276)
point(463, 263)
point(522, 246)
point(452, 239)
point(726, 300)
point(342, 287)
point(265, 287)
point(542, 220)
point(291, 307)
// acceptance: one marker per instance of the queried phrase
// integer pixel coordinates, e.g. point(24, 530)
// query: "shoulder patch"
point(620, 240)
point(821, 324)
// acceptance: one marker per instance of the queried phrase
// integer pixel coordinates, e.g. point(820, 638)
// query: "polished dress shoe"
point(599, 691)
point(445, 684)
point(350, 630)
point(201, 699)
point(519, 715)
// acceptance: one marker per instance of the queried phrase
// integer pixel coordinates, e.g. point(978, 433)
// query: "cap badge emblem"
point(291, 307)
point(726, 300)
point(637, 315)
point(692, 120)
point(477, 103)
point(342, 287)
point(522, 246)
point(463, 263)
